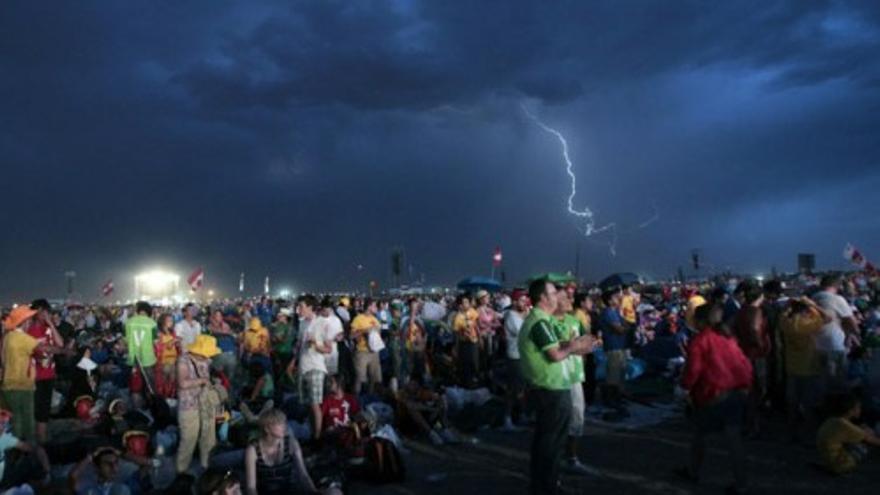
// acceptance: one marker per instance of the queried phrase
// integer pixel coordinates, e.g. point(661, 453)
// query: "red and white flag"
point(855, 257)
point(496, 257)
point(107, 288)
point(196, 279)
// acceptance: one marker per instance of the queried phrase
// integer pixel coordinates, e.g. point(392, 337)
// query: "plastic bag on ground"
point(389, 433)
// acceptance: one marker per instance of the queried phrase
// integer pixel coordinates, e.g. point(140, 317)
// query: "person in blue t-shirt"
point(614, 337)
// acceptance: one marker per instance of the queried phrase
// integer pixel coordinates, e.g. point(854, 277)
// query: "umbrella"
point(618, 280)
point(476, 283)
point(553, 278)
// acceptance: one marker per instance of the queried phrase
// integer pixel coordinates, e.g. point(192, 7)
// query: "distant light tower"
point(70, 276)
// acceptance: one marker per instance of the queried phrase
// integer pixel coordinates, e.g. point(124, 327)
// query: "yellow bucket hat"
point(205, 346)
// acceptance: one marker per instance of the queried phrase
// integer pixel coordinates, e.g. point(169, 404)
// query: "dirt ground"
point(625, 459)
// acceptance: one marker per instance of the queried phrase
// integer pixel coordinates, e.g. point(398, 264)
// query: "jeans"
point(554, 410)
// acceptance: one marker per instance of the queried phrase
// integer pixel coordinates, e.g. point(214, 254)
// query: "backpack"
point(383, 461)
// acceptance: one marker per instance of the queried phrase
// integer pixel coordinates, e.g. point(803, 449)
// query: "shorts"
point(366, 364)
point(725, 413)
point(311, 387)
point(616, 362)
point(802, 391)
point(43, 400)
point(578, 408)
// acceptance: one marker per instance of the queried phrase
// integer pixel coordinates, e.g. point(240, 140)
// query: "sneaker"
point(436, 439)
point(449, 436)
point(575, 466)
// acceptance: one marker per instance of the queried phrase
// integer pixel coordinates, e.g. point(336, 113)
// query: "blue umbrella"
point(618, 280)
point(477, 283)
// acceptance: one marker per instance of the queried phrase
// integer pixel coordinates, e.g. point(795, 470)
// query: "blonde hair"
point(271, 417)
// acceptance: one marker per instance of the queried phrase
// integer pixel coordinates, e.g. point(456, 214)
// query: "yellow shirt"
point(692, 305)
point(256, 341)
point(628, 308)
point(583, 317)
point(831, 438)
point(799, 332)
point(360, 327)
point(18, 373)
point(167, 349)
point(465, 325)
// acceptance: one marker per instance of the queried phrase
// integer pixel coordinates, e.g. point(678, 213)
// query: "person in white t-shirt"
point(831, 342)
point(333, 334)
point(188, 328)
point(312, 364)
point(513, 321)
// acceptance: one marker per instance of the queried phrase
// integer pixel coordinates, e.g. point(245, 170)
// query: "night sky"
point(301, 139)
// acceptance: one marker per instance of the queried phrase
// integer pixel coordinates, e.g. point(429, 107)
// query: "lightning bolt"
point(654, 218)
point(586, 214)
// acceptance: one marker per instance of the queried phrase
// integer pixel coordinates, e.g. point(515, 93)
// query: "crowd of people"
point(305, 395)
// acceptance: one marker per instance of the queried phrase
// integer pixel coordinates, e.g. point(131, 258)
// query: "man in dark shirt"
point(614, 336)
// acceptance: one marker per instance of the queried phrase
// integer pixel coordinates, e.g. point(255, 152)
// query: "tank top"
point(276, 479)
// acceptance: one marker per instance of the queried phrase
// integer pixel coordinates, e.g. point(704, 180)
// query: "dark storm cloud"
point(302, 139)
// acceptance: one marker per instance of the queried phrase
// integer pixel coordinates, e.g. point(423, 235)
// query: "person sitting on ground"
point(104, 479)
point(338, 408)
point(256, 344)
point(33, 466)
point(259, 391)
point(217, 482)
point(427, 410)
point(274, 462)
point(841, 442)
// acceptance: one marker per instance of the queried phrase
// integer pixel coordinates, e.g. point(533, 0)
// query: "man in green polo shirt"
point(568, 327)
point(548, 371)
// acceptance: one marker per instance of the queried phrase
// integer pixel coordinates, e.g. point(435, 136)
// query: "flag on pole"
point(241, 283)
point(854, 256)
point(496, 257)
point(107, 288)
point(196, 278)
point(266, 286)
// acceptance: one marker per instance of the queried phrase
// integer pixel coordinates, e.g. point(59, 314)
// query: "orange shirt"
point(166, 348)
point(465, 325)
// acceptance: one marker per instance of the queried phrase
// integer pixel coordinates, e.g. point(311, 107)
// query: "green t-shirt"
point(282, 331)
point(140, 332)
point(535, 339)
point(568, 328)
